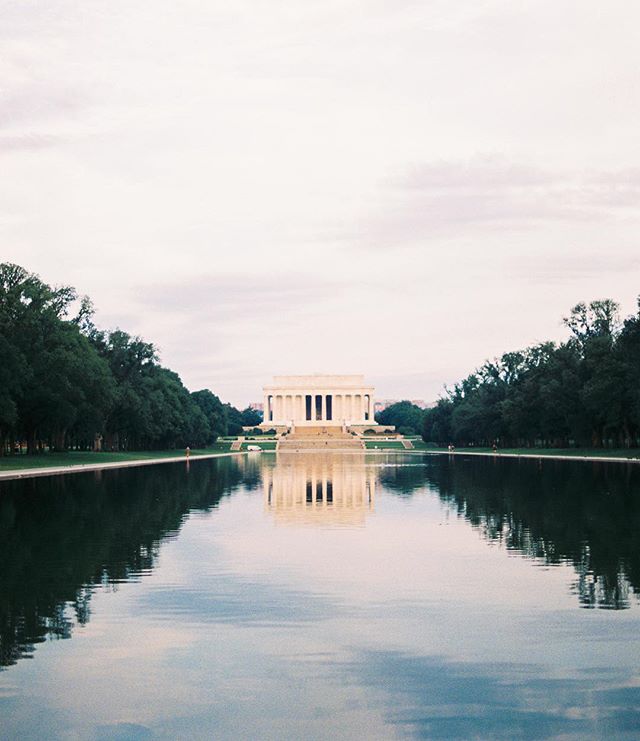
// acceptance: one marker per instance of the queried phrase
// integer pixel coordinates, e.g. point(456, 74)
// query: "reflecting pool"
point(316, 596)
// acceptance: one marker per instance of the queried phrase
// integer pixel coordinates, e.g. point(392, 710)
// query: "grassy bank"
point(383, 445)
point(77, 458)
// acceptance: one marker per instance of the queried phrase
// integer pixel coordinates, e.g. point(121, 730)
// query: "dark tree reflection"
point(403, 480)
point(582, 513)
point(62, 536)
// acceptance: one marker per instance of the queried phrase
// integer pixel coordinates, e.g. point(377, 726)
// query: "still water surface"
point(336, 596)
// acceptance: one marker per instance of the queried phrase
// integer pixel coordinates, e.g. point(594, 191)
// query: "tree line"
point(64, 383)
point(583, 392)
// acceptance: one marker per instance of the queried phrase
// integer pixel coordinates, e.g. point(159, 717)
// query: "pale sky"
point(401, 189)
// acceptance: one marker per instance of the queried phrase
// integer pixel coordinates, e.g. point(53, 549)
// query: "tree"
point(234, 420)
point(214, 411)
point(250, 417)
point(56, 365)
point(402, 414)
point(598, 319)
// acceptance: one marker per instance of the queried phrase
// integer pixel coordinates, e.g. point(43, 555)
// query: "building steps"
point(318, 432)
point(346, 442)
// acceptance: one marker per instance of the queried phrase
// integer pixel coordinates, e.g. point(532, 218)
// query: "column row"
point(300, 408)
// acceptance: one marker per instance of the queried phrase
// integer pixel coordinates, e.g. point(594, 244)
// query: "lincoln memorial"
point(318, 401)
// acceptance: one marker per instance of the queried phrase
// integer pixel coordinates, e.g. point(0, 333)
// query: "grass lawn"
point(75, 458)
point(384, 445)
point(264, 444)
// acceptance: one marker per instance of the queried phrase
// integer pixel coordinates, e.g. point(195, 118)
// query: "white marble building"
point(318, 401)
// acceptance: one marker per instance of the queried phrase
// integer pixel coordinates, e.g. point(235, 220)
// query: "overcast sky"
point(387, 187)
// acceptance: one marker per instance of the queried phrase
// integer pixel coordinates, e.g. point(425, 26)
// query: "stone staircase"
point(320, 438)
point(318, 432)
point(408, 445)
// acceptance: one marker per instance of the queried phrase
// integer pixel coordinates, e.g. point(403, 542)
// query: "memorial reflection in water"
point(319, 489)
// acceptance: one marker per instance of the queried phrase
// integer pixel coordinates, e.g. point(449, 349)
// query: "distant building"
point(256, 406)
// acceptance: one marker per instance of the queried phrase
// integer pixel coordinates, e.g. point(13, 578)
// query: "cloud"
point(561, 269)
point(239, 297)
point(38, 102)
point(445, 198)
point(28, 142)
point(482, 173)
point(232, 327)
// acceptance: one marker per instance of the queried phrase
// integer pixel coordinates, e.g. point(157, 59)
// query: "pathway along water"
point(535, 456)
point(28, 473)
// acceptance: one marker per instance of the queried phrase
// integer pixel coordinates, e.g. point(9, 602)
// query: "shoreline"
point(30, 473)
point(534, 456)
point(27, 473)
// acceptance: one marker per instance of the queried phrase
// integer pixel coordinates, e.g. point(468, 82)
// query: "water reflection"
point(557, 511)
point(408, 626)
point(438, 699)
point(61, 536)
point(319, 488)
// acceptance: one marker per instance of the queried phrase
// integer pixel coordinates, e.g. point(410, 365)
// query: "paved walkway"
point(538, 456)
point(28, 473)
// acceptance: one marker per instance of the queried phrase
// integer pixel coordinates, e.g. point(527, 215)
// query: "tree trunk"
point(59, 440)
point(31, 442)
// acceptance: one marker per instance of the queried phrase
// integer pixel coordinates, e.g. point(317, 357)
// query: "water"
point(343, 596)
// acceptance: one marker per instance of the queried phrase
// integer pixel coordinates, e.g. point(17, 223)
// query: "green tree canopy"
point(404, 415)
point(584, 391)
point(64, 382)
